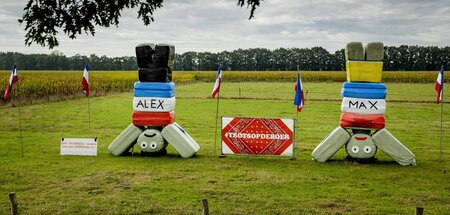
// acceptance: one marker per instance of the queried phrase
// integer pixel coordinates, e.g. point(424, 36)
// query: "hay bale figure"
point(362, 121)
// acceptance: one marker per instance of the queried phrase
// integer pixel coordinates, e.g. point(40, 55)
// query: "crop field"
point(45, 86)
point(47, 183)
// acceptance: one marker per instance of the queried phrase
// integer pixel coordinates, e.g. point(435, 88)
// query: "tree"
point(42, 18)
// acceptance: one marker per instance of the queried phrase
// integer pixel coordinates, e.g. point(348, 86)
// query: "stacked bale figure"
point(362, 120)
point(154, 107)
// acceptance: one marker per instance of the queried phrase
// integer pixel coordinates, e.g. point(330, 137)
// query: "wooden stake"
point(13, 201)
point(205, 207)
point(419, 211)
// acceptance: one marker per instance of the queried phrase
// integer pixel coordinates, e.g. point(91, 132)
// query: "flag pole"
point(20, 128)
point(89, 118)
point(85, 84)
point(216, 90)
point(296, 136)
point(442, 107)
point(20, 121)
point(217, 117)
point(297, 86)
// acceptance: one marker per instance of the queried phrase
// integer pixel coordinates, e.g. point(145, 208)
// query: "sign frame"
point(289, 151)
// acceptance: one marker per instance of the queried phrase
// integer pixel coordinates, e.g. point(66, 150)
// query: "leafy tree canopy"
point(42, 18)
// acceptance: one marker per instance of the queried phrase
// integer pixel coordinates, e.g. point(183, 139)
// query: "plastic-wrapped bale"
point(169, 75)
point(354, 51)
point(181, 141)
point(154, 104)
point(363, 106)
point(144, 55)
point(393, 148)
point(364, 90)
point(374, 51)
point(154, 89)
point(126, 139)
point(165, 55)
point(151, 141)
point(154, 74)
point(364, 71)
point(361, 146)
point(153, 118)
point(330, 144)
point(370, 121)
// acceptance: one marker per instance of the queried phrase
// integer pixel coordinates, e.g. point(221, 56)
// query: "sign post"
point(257, 136)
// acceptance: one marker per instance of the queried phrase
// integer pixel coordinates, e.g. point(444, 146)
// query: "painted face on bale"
point(151, 140)
point(361, 146)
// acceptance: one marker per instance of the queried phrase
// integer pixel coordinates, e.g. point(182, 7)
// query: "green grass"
point(47, 183)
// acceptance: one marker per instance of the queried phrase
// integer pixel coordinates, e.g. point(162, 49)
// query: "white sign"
point(153, 104)
point(363, 106)
point(79, 146)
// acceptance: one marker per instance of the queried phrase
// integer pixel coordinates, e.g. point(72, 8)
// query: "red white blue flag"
point(12, 79)
point(439, 87)
point(299, 98)
point(217, 83)
point(85, 81)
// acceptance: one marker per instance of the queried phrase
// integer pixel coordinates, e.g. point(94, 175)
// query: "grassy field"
point(47, 183)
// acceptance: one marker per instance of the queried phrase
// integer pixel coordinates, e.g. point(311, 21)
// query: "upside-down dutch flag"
point(439, 87)
point(217, 83)
point(299, 99)
point(85, 81)
point(12, 79)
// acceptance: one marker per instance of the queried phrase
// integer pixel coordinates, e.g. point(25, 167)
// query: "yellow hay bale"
point(364, 71)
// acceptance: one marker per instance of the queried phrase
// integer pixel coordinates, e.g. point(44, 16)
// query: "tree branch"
point(43, 17)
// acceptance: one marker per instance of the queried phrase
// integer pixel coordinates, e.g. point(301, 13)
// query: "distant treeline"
point(401, 58)
point(58, 61)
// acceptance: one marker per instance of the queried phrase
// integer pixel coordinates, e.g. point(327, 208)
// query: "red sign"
point(257, 136)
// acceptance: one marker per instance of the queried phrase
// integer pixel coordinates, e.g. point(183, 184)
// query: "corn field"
point(38, 86)
point(307, 76)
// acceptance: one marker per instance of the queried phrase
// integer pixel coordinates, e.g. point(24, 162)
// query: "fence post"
point(419, 211)
point(205, 207)
point(239, 92)
point(13, 201)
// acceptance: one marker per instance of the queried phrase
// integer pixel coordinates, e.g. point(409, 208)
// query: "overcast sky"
point(214, 26)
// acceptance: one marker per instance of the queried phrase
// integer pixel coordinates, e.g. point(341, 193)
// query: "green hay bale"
point(374, 51)
point(354, 51)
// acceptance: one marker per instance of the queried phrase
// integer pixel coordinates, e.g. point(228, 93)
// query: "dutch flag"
point(85, 81)
point(12, 79)
point(299, 99)
point(439, 87)
point(217, 83)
